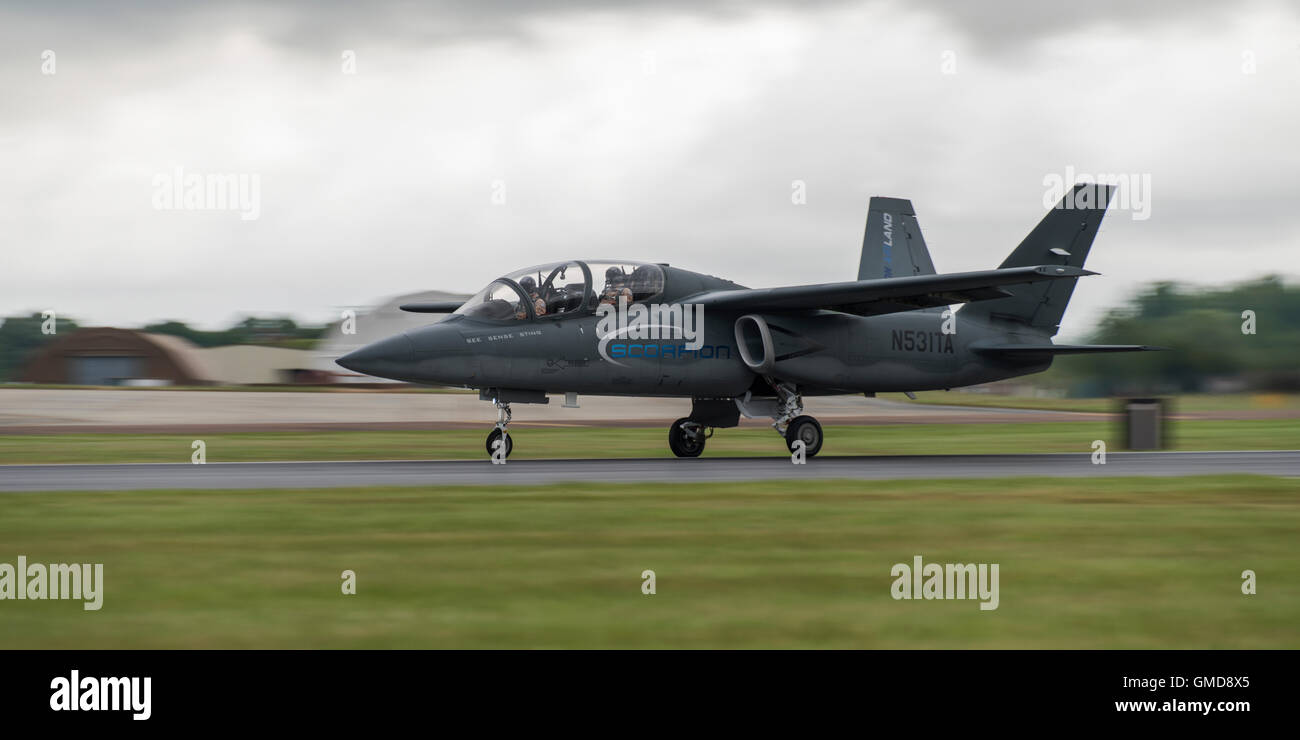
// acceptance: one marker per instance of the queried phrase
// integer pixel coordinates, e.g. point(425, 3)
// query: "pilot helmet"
point(614, 274)
point(528, 284)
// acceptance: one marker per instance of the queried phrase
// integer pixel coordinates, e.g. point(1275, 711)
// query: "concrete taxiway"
point(59, 411)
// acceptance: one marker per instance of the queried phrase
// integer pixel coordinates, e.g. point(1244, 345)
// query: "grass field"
point(289, 388)
point(579, 442)
point(1187, 403)
point(1125, 563)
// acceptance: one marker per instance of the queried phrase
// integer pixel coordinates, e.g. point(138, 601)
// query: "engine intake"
point(754, 341)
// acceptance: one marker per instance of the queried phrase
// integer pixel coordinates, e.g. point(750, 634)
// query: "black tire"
point(493, 436)
point(683, 444)
point(807, 429)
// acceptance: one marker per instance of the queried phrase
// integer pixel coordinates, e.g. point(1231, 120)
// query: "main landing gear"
point(686, 438)
point(790, 422)
point(687, 435)
point(499, 431)
point(807, 430)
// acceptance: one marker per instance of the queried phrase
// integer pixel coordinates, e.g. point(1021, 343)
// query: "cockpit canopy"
point(564, 288)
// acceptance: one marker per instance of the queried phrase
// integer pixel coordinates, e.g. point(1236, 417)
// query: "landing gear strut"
point(686, 437)
point(790, 422)
point(499, 431)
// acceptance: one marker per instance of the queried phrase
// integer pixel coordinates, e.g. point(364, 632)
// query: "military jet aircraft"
point(617, 327)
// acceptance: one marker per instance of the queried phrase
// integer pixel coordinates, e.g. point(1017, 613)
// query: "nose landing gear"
point(498, 438)
point(498, 432)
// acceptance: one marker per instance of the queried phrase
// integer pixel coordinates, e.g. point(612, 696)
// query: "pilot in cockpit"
point(530, 288)
point(615, 286)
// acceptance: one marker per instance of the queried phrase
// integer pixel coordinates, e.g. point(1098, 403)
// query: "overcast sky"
point(668, 131)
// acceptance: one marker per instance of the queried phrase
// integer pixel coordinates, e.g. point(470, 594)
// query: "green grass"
point(290, 388)
point(1115, 563)
point(580, 442)
point(1189, 403)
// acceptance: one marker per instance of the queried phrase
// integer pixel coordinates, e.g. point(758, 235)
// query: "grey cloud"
point(989, 25)
point(373, 212)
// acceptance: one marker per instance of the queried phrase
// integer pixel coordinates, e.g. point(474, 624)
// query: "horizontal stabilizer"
point(435, 307)
point(888, 295)
point(1029, 351)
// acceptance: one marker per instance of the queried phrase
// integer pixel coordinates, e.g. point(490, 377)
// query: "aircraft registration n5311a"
point(625, 328)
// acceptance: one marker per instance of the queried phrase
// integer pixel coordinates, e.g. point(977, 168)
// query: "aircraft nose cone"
point(382, 359)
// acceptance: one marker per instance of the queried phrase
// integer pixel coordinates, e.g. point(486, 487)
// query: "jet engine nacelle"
point(754, 341)
point(791, 349)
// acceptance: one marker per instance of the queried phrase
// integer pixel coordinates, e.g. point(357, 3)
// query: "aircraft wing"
point(887, 295)
point(1038, 351)
point(434, 307)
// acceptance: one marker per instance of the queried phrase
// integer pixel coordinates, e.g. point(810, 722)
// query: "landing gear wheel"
point(684, 443)
point(807, 430)
point(493, 436)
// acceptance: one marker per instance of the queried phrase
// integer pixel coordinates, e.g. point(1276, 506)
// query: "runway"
point(315, 475)
point(198, 412)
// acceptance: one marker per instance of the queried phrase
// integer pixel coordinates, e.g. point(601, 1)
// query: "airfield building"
point(109, 356)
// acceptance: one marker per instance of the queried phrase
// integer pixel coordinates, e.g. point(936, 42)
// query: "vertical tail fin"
point(1063, 237)
point(892, 245)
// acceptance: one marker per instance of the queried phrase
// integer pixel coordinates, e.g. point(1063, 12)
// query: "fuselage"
point(571, 348)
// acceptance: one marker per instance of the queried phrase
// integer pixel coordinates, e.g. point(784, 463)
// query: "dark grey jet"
point(624, 328)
